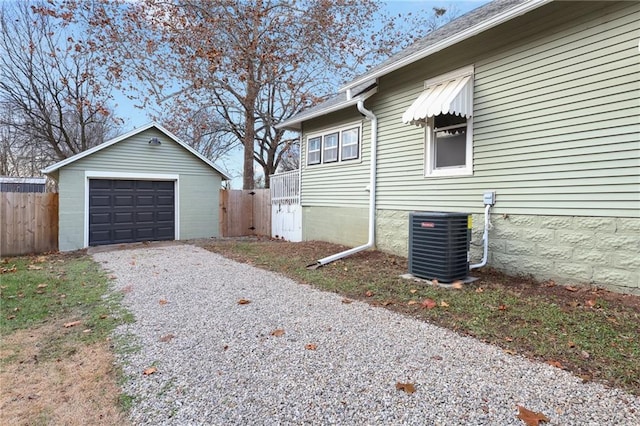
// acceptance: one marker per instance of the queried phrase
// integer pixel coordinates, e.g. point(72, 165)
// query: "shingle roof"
point(467, 25)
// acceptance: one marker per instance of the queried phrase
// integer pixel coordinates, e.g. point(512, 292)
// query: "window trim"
point(331, 130)
point(336, 148)
point(319, 151)
point(357, 144)
point(430, 169)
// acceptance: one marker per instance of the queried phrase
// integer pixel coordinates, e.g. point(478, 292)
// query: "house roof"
point(127, 135)
point(468, 25)
point(334, 103)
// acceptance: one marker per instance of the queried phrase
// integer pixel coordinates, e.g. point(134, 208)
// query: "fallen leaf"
point(34, 267)
point(590, 303)
point(428, 304)
point(412, 302)
point(457, 285)
point(479, 290)
point(10, 317)
point(531, 418)
point(556, 364)
point(149, 371)
point(104, 316)
point(550, 283)
point(72, 324)
point(585, 354)
point(502, 307)
point(40, 259)
point(508, 339)
point(571, 288)
point(369, 293)
point(278, 332)
point(163, 302)
point(571, 344)
point(444, 304)
point(311, 346)
point(387, 303)
point(573, 304)
point(346, 301)
point(244, 301)
point(43, 285)
point(167, 338)
point(7, 270)
point(413, 291)
point(86, 330)
point(434, 282)
point(510, 352)
point(225, 347)
point(407, 387)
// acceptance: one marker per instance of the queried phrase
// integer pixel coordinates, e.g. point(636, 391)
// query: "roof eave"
point(456, 38)
point(54, 167)
point(295, 122)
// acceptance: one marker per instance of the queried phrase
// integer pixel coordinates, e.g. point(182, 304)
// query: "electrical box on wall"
point(489, 198)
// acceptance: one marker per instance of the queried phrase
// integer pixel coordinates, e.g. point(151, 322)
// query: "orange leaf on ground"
point(167, 338)
point(278, 332)
point(479, 290)
point(149, 371)
point(457, 285)
point(556, 364)
point(413, 291)
point(434, 282)
point(311, 346)
point(346, 301)
point(428, 304)
point(590, 303)
point(412, 302)
point(72, 324)
point(244, 301)
point(502, 307)
point(163, 302)
point(571, 288)
point(407, 387)
point(531, 418)
point(369, 293)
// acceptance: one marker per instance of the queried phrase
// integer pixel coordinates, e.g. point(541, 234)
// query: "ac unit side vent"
point(439, 245)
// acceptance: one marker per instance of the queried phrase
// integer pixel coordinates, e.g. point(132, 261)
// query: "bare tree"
point(240, 66)
point(52, 96)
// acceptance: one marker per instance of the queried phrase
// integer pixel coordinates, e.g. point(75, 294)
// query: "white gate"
point(286, 210)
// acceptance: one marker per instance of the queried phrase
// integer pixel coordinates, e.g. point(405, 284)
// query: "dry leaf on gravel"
point(149, 371)
point(556, 364)
point(346, 301)
point(531, 418)
point(244, 301)
point(407, 387)
point(163, 302)
point(278, 332)
point(311, 346)
point(167, 338)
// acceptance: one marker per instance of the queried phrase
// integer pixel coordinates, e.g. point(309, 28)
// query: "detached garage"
point(145, 185)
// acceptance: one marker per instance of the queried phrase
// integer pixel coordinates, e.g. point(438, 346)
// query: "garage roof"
point(127, 135)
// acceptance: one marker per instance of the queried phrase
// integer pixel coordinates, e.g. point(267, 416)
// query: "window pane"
point(450, 148)
point(350, 142)
point(331, 148)
point(314, 151)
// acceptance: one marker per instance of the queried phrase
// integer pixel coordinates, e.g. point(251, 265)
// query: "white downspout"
point(372, 194)
point(485, 239)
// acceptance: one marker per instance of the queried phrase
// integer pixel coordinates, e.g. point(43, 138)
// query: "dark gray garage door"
point(126, 211)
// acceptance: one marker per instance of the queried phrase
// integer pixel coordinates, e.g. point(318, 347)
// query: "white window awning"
point(453, 96)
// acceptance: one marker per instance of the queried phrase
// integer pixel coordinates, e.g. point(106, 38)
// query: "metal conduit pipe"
point(485, 239)
point(372, 194)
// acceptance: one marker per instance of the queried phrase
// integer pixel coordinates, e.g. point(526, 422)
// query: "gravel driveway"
point(223, 365)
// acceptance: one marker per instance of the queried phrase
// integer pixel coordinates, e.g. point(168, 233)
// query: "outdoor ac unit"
point(439, 245)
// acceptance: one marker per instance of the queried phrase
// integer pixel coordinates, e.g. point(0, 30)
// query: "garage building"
point(145, 185)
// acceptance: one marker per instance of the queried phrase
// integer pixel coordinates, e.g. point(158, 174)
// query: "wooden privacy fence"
point(28, 223)
point(245, 212)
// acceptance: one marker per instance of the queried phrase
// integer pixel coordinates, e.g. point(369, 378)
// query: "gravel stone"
point(224, 367)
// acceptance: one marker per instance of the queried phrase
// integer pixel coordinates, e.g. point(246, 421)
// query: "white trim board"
point(132, 176)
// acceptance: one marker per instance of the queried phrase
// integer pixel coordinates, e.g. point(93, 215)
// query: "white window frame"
point(430, 169)
point(336, 148)
point(337, 129)
point(319, 151)
point(357, 144)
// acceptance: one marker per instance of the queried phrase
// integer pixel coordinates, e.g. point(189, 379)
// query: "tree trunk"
point(248, 142)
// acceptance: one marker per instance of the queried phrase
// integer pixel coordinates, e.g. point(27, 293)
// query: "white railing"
point(285, 188)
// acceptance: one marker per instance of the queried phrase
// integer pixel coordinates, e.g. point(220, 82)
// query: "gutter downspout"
point(372, 194)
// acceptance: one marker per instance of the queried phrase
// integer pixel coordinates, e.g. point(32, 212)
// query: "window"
point(330, 151)
point(449, 145)
point(350, 143)
point(334, 145)
point(314, 150)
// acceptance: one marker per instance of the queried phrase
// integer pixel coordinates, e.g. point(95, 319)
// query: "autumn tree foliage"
point(53, 103)
point(228, 71)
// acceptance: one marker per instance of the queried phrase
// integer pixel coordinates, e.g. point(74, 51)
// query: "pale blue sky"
point(134, 117)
